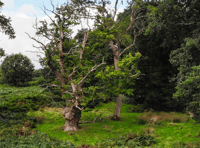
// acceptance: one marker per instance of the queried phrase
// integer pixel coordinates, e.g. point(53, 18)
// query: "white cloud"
point(28, 9)
point(22, 43)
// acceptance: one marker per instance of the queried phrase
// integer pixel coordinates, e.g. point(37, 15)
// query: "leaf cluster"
point(117, 80)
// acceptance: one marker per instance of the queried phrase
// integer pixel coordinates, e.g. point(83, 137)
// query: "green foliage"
point(15, 108)
point(128, 140)
point(15, 102)
point(6, 25)
point(165, 26)
point(117, 80)
point(36, 140)
point(187, 88)
point(17, 70)
point(2, 52)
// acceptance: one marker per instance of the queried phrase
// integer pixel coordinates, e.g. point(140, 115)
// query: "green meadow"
point(168, 129)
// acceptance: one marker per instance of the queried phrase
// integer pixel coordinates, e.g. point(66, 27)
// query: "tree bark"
point(118, 106)
point(72, 116)
point(117, 112)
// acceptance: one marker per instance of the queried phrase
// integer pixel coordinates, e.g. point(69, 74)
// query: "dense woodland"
point(146, 56)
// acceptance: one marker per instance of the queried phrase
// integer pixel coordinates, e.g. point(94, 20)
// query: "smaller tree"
point(17, 70)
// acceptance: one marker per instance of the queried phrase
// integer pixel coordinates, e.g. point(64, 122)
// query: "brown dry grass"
point(149, 117)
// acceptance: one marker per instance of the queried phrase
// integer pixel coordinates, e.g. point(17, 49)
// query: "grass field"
point(173, 127)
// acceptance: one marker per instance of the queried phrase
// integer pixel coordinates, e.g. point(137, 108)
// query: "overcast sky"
point(23, 14)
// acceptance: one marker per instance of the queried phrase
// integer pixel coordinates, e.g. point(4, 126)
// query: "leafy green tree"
point(17, 70)
point(111, 37)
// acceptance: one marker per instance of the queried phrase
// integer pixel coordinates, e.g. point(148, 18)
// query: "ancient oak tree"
point(64, 57)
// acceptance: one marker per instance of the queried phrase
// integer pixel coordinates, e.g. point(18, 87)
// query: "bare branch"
point(114, 24)
point(131, 24)
point(128, 46)
point(48, 15)
point(115, 9)
point(34, 52)
point(70, 76)
point(36, 40)
point(134, 75)
point(48, 86)
point(93, 68)
point(79, 107)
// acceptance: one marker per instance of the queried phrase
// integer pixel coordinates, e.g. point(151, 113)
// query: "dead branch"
point(128, 46)
point(93, 68)
point(134, 75)
point(115, 9)
point(70, 76)
point(36, 40)
point(35, 52)
point(49, 86)
point(115, 24)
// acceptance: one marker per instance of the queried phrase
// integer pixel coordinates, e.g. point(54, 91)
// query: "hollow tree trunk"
point(72, 116)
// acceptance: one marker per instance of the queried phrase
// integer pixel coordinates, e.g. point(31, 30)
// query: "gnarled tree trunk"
point(72, 116)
